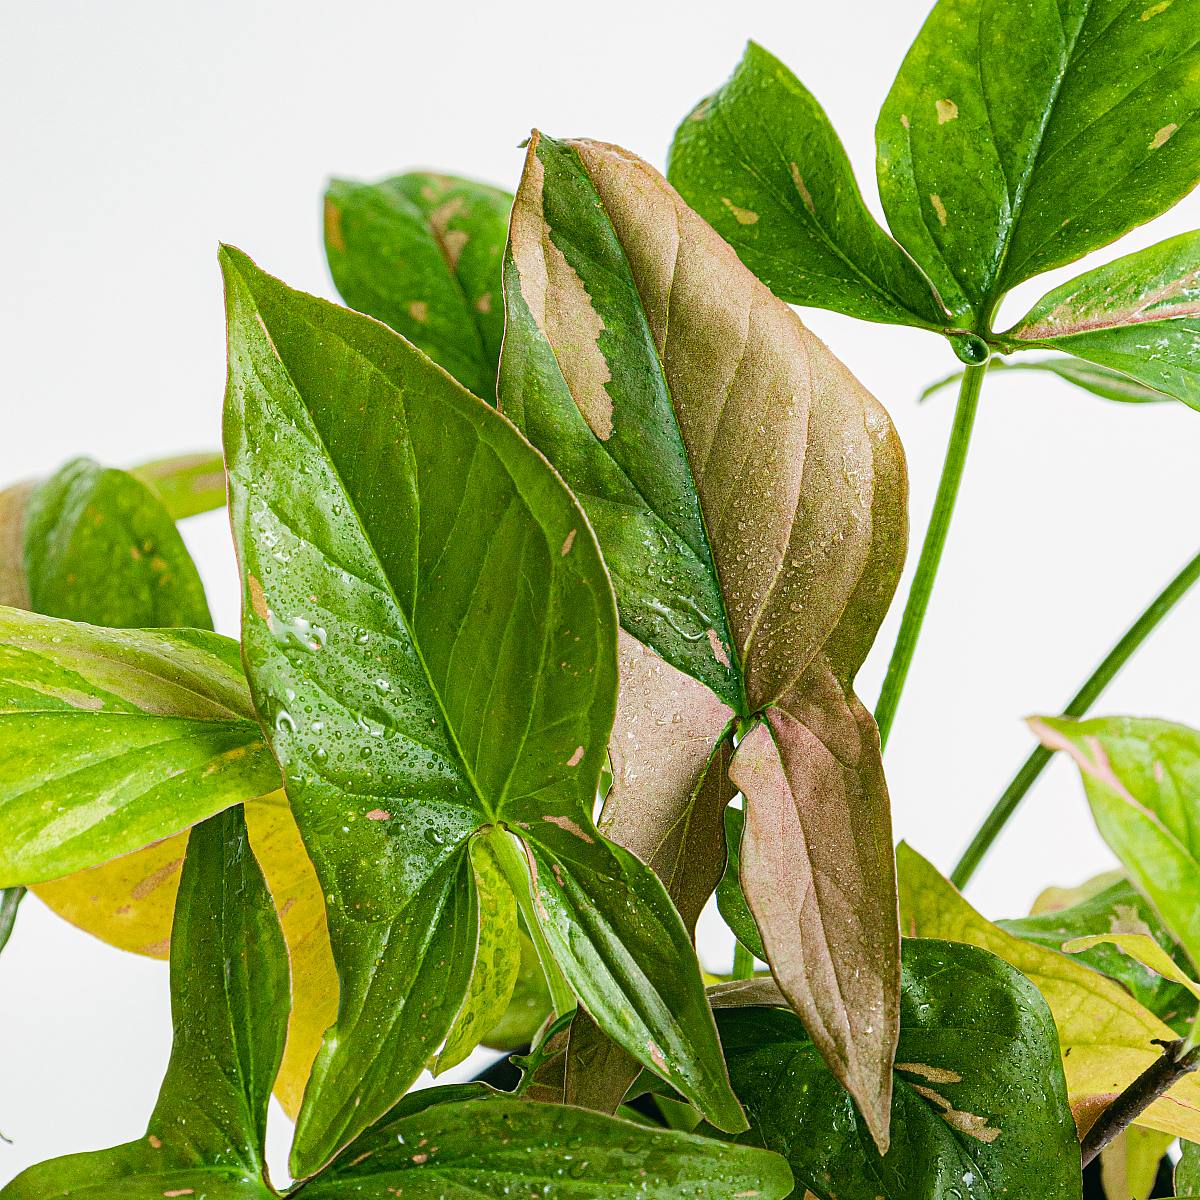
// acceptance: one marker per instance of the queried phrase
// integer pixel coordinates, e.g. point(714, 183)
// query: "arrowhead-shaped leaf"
point(759, 160)
point(421, 252)
point(115, 738)
point(1018, 137)
point(499, 1147)
point(1107, 1037)
point(1139, 315)
point(748, 493)
point(980, 1106)
point(1142, 779)
point(229, 1003)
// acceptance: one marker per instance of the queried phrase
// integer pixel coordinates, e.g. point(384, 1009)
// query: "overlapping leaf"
point(1139, 315)
point(229, 1001)
point(421, 253)
point(1107, 1037)
point(1100, 381)
point(432, 646)
point(185, 484)
point(979, 1109)
point(749, 496)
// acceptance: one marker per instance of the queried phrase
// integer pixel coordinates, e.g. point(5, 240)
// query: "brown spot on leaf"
point(905, 121)
point(258, 600)
point(379, 814)
point(947, 110)
point(181, 1192)
point(939, 208)
point(1164, 135)
point(420, 1158)
point(454, 242)
point(155, 1142)
point(568, 542)
point(484, 303)
point(571, 827)
point(159, 949)
point(450, 240)
point(933, 1074)
point(802, 187)
point(155, 880)
point(657, 1056)
point(334, 238)
point(971, 1124)
point(575, 758)
point(743, 216)
point(419, 311)
point(718, 649)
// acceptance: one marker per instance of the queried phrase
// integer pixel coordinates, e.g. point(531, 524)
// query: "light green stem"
point(931, 551)
point(1079, 704)
point(512, 862)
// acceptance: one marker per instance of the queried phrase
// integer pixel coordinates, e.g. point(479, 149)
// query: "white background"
point(136, 134)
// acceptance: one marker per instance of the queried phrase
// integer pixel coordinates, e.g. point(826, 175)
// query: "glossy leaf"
point(528, 1007)
point(1139, 315)
point(1107, 1037)
point(1142, 779)
point(731, 902)
point(759, 160)
point(1187, 1170)
point(1100, 381)
point(185, 484)
point(753, 545)
point(421, 253)
point(115, 738)
point(980, 1105)
point(1017, 137)
point(1143, 948)
point(229, 998)
point(500, 1147)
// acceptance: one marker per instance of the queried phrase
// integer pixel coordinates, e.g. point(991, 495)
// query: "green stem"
point(931, 551)
point(512, 863)
point(10, 899)
point(1079, 704)
point(743, 961)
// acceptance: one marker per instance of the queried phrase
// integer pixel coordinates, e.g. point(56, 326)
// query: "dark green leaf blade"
point(421, 253)
point(1018, 137)
point(731, 901)
point(115, 738)
point(229, 1003)
point(980, 1106)
point(1187, 1170)
point(759, 160)
point(432, 644)
point(1139, 315)
point(499, 1147)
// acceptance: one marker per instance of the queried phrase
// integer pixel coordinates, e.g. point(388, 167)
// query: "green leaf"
point(1142, 779)
point(10, 901)
point(1139, 315)
point(186, 484)
point(99, 547)
point(432, 648)
point(1187, 1170)
point(528, 1007)
point(759, 160)
point(115, 738)
point(730, 899)
point(229, 1004)
point(980, 1104)
point(500, 1147)
point(1129, 1164)
point(1100, 381)
point(421, 253)
point(754, 546)
point(1141, 947)
point(1118, 908)
point(1108, 1039)
point(1018, 137)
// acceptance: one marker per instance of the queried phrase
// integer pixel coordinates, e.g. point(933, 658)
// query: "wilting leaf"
point(432, 646)
point(1017, 137)
point(730, 900)
point(1100, 381)
point(979, 1107)
point(759, 160)
point(1107, 1037)
point(229, 997)
point(500, 1147)
point(116, 738)
point(186, 484)
point(1129, 1164)
point(1142, 779)
point(749, 496)
point(1139, 315)
point(421, 253)
point(1117, 908)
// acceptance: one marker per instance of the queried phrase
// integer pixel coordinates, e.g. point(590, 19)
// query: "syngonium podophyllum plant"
point(580, 511)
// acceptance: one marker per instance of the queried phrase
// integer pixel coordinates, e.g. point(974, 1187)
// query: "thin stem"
point(10, 899)
point(1079, 704)
point(512, 863)
point(931, 551)
point(743, 961)
point(1156, 1080)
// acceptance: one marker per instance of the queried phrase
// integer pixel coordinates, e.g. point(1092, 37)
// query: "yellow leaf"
point(1143, 948)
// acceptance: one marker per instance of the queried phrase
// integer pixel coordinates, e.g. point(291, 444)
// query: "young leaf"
point(1142, 779)
point(528, 1007)
point(979, 1108)
point(759, 160)
point(1100, 381)
point(1118, 908)
point(1017, 137)
point(421, 253)
point(115, 738)
point(229, 1001)
point(186, 484)
point(731, 902)
point(754, 544)
point(387, 515)
point(500, 1147)
point(1143, 948)
point(1139, 315)
point(1107, 1037)
point(1129, 1164)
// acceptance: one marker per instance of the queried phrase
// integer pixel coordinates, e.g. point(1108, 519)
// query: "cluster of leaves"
point(575, 505)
